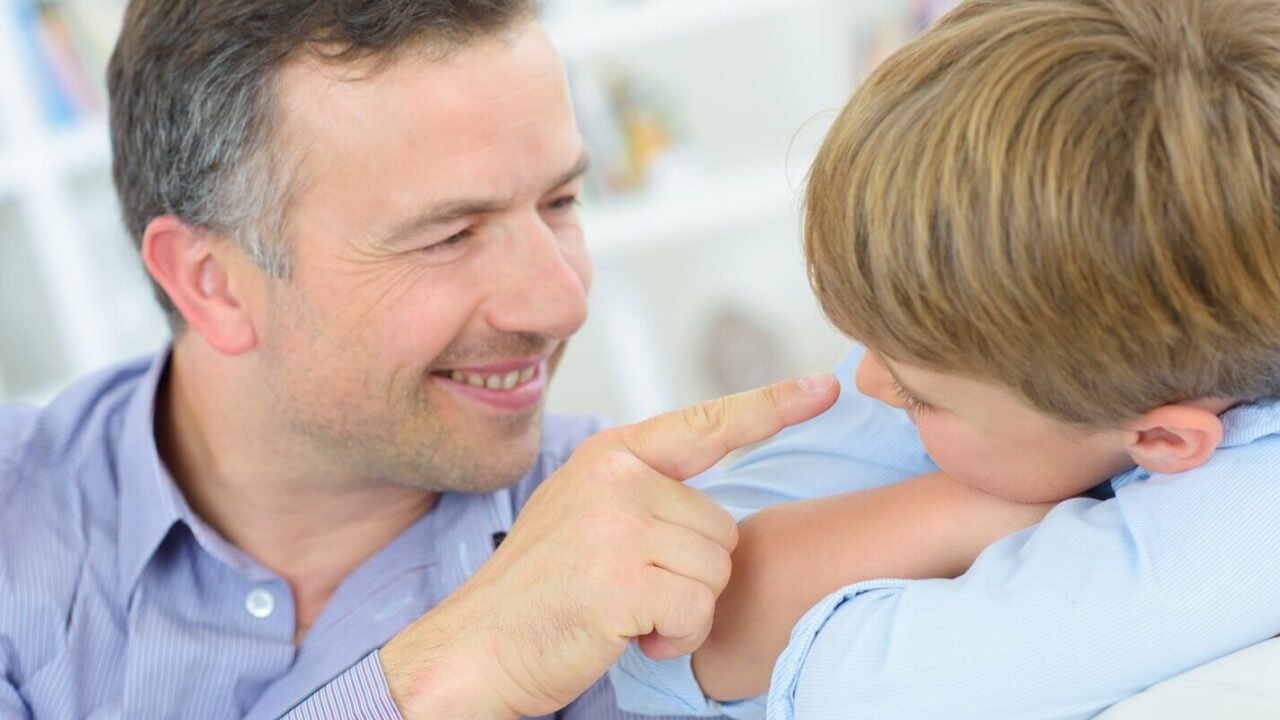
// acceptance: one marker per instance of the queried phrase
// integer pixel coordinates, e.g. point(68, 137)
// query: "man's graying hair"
point(192, 94)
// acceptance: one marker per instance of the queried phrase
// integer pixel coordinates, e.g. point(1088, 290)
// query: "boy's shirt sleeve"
point(858, 444)
point(1098, 602)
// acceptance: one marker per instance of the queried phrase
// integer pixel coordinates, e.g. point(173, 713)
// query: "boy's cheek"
point(977, 464)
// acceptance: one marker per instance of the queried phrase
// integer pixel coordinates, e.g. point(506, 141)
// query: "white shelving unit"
point(667, 215)
point(752, 82)
point(39, 165)
point(612, 29)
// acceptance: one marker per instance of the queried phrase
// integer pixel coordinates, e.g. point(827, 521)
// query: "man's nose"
point(543, 288)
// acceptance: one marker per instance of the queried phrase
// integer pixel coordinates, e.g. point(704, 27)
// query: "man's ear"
point(1174, 438)
point(193, 268)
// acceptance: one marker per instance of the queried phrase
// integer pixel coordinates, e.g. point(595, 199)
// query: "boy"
point(1055, 226)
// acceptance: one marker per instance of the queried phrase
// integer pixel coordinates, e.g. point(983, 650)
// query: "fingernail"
point(816, 384)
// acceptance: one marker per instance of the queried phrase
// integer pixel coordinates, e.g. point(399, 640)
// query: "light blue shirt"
point(118, 602)
point(1102, 599)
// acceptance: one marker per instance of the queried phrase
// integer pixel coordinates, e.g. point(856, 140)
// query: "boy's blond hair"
point(1076, 199)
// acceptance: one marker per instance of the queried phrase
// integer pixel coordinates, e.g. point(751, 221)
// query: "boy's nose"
point(874, 380)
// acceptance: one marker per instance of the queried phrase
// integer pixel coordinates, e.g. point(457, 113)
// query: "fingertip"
point(818, 393)
point(816, 384)
point(656, 647)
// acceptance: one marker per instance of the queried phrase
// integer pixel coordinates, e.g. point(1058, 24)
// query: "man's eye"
point(564, 203)
point(451, 241)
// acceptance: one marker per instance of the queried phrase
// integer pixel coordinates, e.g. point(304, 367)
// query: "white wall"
point(748, 87)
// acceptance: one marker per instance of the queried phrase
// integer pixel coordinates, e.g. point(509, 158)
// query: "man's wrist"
point(430, 677)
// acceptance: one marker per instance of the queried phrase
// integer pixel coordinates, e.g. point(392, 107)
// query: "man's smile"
point(511, 386)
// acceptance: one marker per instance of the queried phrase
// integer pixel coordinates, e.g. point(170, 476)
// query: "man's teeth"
point(495, 382)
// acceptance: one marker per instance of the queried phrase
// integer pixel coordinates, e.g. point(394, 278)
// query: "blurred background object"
point(702, 117)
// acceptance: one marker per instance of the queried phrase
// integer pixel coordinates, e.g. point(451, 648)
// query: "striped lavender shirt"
point(117, 601)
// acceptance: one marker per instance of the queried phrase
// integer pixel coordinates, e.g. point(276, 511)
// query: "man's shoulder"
point(61, 436)
point(57, 482)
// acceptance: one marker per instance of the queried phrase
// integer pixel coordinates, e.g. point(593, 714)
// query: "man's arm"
point(611, 547)
point(791, 556)
point(360, 693)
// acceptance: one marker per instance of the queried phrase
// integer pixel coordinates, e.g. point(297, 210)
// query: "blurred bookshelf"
point(702, 117)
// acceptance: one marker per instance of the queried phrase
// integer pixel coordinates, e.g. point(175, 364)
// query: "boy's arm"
point(791, 556)
point(859, 444)
point(1102, 600)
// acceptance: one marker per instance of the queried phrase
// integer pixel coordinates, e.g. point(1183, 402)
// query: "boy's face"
point(984, 436)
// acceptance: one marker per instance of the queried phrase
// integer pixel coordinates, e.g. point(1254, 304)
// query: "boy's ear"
point(193, 268)
point(1174, 438)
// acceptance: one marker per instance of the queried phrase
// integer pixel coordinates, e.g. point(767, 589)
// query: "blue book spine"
point(56, 104)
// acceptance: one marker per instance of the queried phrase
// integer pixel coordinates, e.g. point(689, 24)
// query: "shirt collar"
point(1241, 425)
point(149, 502)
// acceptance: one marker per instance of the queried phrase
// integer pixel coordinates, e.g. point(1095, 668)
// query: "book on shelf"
point(631, 129)
point(66, 46)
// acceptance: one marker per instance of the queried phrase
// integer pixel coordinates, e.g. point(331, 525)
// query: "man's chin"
point(496, 460)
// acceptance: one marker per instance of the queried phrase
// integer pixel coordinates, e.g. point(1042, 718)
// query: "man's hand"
point(610, 548)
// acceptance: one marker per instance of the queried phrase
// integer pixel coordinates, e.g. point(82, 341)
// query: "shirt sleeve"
point(858, 444)
point(600, 703)
point(360, 693)
point(1101, 600)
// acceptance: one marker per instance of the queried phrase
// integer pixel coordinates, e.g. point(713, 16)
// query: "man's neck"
point(234, 467)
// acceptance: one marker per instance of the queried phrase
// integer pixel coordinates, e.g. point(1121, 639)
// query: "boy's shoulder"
point(1250, 439)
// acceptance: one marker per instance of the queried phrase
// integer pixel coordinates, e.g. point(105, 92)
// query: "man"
point(360, 217)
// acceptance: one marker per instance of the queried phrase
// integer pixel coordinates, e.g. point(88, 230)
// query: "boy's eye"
point(910, 403)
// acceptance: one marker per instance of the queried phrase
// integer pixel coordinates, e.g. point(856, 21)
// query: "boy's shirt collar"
point(1241, 426)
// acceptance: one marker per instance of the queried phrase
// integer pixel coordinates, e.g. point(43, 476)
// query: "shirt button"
point(260, 603)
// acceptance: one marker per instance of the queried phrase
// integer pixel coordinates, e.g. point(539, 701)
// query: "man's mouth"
point(502, 381)
point(509, 386)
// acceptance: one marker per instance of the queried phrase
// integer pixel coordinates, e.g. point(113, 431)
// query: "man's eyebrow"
point(450, 211)
point(578, 170)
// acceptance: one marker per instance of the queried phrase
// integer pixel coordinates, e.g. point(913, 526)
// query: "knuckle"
point(772, 396)
point(723, 570)
point(702, 605)
point(616, 467)
point(709, 417)
point(597, 442)
point(732, 534)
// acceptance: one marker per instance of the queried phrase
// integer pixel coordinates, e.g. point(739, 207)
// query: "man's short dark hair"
point(192, 93)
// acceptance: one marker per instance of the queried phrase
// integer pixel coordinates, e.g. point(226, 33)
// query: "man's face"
point(438, 260)
point(985, 437)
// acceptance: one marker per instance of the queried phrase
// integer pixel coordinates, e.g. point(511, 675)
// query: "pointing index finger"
point(683, 443)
